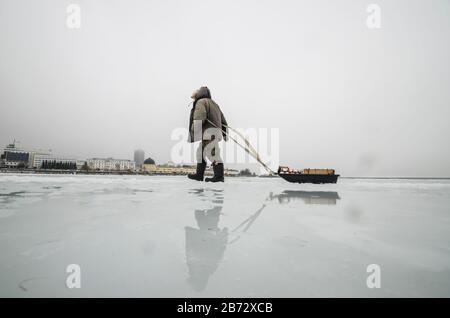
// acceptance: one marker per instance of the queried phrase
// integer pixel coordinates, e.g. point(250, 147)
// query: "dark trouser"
point(208, 149)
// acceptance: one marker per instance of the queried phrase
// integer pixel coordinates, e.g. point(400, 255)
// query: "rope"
point(249, 149)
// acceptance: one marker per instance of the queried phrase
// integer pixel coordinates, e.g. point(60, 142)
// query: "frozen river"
point(249, 237)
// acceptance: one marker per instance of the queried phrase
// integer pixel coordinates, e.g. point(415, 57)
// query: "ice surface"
point(256, 237)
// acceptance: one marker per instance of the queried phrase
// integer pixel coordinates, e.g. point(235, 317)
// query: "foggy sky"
point(365, 102)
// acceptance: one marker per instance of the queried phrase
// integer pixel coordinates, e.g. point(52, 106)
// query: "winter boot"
point(200, 172)
point(218, 173)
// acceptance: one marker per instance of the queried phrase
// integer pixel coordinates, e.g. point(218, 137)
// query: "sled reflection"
point(308, 197)
point(205, 245)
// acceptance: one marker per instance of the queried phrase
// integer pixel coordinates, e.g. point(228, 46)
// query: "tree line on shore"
point(53, 164)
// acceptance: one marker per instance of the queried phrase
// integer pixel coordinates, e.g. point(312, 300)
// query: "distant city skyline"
point(27, 147)
point(18, 146)
point(14, 156)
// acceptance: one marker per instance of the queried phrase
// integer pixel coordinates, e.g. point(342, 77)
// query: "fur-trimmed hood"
point(203, 92)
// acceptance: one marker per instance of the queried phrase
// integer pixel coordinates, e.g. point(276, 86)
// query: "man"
point(208, 125)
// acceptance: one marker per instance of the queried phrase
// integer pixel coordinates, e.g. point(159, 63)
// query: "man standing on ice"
point(207, 124)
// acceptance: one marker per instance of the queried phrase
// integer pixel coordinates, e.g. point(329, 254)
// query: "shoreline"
point(135, 173)
point(81, 172)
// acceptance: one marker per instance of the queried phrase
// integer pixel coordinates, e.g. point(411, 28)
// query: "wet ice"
point(258, 237)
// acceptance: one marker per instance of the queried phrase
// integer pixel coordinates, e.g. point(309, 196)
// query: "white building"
point(15, 156)
point(38, 159)
point(80, 164)
point(110, 164)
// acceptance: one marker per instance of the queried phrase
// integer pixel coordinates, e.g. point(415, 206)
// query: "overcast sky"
point(367, 102)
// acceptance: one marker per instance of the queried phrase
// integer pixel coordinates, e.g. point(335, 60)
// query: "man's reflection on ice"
point(205, 245)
